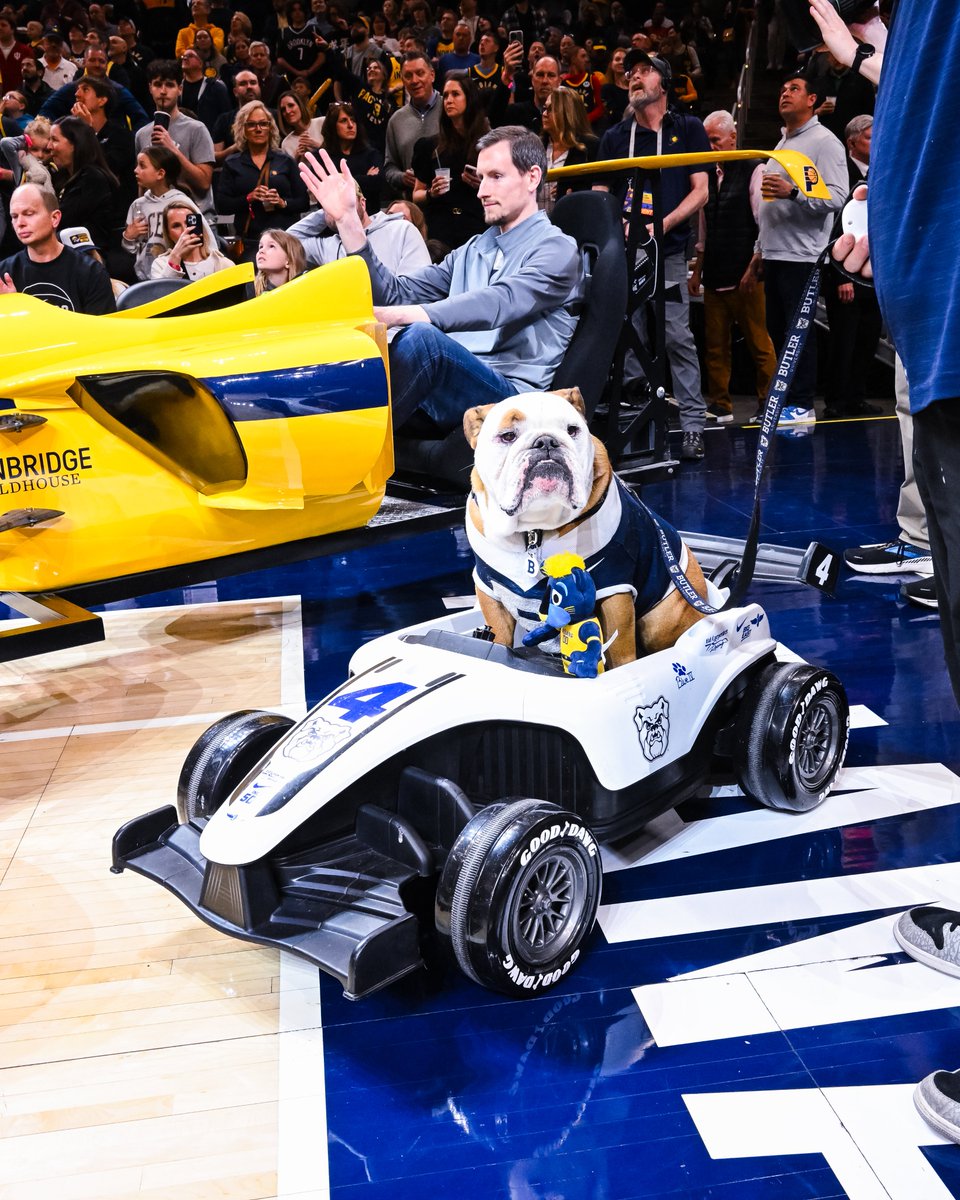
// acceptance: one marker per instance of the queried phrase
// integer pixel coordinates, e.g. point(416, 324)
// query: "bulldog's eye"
point(508, 435)
point(573, 430)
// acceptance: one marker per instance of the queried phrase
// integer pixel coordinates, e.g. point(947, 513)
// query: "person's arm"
point(196, 176)
point(298, 198)
point(232, 188)
point(58, 103)
point(392, 169)
point(543, 282)
point(692, 202)
point(840, 41)
point(96, 291)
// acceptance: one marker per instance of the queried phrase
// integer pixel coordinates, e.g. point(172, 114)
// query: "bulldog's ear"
point(472, 420)
point(575, 398)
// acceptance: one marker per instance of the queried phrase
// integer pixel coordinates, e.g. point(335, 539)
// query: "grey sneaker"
point(931, 936)
point(938, 1101)
point(692, 448)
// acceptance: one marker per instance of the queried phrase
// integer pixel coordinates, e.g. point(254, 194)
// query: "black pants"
point(785, 284)
point(854, 333)
point(936, 463)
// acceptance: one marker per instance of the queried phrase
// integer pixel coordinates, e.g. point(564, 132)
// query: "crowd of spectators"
point(176, 135)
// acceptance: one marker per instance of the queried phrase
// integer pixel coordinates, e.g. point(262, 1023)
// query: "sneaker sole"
point(934, 1119)
point(923, 956)
point(921, 603)
point(725, 419)
point(891, 568)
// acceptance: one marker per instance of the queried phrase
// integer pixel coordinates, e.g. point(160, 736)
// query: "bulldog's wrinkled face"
point(534, 457)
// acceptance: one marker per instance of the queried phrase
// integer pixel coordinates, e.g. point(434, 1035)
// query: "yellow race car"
point(140, 442)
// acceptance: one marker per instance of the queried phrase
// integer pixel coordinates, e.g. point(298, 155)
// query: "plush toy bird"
point(570, 599)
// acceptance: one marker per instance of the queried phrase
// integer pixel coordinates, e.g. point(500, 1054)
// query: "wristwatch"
point(794, 193)
point(863, 52)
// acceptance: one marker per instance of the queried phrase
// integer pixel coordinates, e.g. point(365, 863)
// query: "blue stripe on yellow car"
point(303, 391)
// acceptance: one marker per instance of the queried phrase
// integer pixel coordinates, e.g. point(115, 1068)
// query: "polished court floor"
point(743, 1025)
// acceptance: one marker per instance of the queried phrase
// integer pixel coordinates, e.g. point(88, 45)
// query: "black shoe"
point(921, 591)
point(716, 412)
point(757, 418)
point(692, 448)
point(833, 414)
point(863, 409)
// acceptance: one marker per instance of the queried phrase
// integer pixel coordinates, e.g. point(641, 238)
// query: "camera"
point(803, 30)
point(192, 223)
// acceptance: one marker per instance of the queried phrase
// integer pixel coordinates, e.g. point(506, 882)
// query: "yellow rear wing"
point(800, 169)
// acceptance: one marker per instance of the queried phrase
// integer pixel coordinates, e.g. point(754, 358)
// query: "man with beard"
point(495, 317)
point(649, 128)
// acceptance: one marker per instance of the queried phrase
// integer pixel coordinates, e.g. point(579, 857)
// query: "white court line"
point(303, 1168)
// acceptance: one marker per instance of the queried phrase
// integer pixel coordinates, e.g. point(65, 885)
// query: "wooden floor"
point(141, 1049)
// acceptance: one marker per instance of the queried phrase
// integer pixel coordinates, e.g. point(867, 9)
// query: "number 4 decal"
point(820, 567)
point(369, 701)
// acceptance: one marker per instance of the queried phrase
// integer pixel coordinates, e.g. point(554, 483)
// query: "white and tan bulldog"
point(542, 484)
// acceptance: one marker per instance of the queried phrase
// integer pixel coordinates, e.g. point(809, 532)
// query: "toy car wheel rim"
point(551, 896)
point(817, 741)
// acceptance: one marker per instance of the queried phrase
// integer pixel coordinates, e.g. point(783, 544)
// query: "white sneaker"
point(793, 415)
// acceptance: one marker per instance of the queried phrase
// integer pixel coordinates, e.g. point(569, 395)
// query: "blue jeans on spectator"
point(432, 373)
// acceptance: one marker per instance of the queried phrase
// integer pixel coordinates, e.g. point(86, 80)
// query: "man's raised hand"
point(334, 190)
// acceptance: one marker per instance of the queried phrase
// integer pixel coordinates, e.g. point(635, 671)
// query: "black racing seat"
point(593, 220)
point(146, 291)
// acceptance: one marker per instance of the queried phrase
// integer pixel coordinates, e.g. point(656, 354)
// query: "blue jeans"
point(431, 372)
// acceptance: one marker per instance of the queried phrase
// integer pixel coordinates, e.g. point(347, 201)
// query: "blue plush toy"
point(571, 597)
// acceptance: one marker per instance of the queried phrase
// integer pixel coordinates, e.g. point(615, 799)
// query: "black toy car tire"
point(791, 736)
point(221, 757)
point(518, 895)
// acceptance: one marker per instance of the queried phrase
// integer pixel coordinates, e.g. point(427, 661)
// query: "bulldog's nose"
point(546, 441)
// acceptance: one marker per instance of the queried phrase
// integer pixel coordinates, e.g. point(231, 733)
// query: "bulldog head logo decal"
point(653, 726)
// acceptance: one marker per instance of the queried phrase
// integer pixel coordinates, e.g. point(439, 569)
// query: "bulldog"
point(542, 485)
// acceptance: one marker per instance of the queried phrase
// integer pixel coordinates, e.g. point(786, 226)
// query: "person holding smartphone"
point(187, 138)
point(190, 248)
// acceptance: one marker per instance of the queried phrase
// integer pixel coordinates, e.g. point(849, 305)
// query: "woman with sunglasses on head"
point(569, 142)
point(345, 137)
point(259, 186)
point(445, 165)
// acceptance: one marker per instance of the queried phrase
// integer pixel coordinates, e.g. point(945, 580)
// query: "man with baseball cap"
point(651, 127)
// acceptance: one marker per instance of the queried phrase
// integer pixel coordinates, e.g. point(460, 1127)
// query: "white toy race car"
point(450, 782)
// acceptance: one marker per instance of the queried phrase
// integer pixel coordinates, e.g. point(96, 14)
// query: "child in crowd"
point(157, 173)
point(189, 250)
point(24, 155)
point(280, 258)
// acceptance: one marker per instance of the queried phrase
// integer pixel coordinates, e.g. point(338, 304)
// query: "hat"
point(77, 237)
point(659, 64)
point(53, 32)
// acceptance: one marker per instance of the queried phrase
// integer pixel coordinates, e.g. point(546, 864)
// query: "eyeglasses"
point(256, 125)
